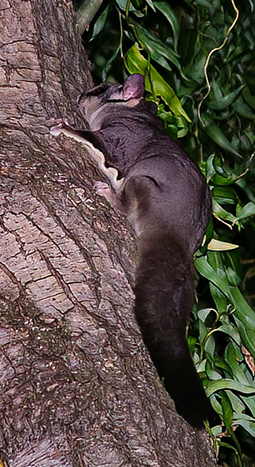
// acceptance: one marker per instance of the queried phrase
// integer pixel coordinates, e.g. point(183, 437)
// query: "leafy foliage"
point(203, 52)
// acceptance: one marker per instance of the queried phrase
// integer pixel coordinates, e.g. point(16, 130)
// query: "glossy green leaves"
point(154, 83)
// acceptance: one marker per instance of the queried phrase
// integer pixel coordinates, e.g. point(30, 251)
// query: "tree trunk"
point(77, 385)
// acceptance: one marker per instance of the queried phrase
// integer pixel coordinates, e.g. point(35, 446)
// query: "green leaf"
point(228, 418)
point(219, 298)
point(151, 4)
point(217, 407)
point(161, 61)
point(227, 412)
point(202, 331)
point(243, 314)
point(138, 4)
point(205, 3)
point(246, 332)
point(216, 134)
point(218, 277)
point(168, 12)
point(136, 63)
point(232, 356)
point(175, 126)
point(123, 5)
point(219, 385)
point(243, 311)
point(107, 66)
point(222, 364)
point(224, 195)
point(220, 174)
point(244, 110)
point(236, 403)
point(223, 102)
point(249, 98)
point(246, 188)
point(232, 277)
point(247, 425)
point(204, 313)
point(231, 331)
point(100, 23)
point(249, 401)
point(221, 214)
point(212, 374)
point(155, 46)
point(246, 211)
point(210, 346)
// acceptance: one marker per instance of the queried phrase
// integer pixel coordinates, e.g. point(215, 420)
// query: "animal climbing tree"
point(77, 384)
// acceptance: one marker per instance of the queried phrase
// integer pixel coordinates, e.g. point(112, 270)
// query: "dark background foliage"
point(198, 60)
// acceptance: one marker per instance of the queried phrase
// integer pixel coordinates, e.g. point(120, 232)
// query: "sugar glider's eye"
point(105, 92)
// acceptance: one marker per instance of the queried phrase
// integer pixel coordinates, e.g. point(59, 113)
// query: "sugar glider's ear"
point(133, 87)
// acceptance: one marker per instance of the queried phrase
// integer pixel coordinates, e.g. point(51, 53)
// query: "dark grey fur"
point(167, 200)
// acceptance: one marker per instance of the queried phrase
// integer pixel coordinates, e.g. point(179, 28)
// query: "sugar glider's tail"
point(164, 297)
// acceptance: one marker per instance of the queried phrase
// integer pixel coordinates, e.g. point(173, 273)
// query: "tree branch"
point(86, 13)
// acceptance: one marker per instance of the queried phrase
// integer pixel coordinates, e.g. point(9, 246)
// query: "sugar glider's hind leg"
point(113, 197)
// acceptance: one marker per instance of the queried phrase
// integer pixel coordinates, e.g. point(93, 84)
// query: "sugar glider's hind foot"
point(103, 189)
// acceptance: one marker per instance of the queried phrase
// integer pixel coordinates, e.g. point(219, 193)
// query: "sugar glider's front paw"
point(103, 189)
point(57, 129)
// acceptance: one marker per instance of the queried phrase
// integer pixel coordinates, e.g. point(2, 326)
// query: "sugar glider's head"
point(129, 94)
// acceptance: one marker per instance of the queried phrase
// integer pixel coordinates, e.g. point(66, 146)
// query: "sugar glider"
point(165, 197)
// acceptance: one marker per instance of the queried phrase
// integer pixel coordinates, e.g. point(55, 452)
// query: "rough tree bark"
point(77, 385)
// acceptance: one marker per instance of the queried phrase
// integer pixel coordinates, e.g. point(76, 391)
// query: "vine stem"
point(216, 49)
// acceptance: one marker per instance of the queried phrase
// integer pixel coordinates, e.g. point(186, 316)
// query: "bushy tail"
point(164, 298)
